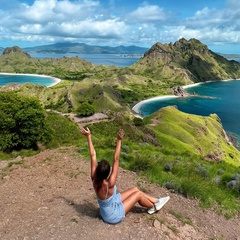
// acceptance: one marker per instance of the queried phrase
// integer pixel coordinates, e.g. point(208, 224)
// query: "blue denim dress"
point(112, 209)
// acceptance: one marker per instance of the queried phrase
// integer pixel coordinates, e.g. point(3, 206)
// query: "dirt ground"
point(50, 196)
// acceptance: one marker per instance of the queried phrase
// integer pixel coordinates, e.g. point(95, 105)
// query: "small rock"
point(6, 177)
point(18, 158)
point(156, 224)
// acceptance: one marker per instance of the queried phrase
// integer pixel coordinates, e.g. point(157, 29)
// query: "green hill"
point(193, 134)
point(185, 62)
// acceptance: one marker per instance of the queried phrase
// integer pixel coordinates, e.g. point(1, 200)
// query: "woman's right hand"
point(120, 134)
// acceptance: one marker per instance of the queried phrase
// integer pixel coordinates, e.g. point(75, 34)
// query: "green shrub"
point(168, 166)
point(85, 110)
point(202, 171)
point(22, 123)
point(138, 121)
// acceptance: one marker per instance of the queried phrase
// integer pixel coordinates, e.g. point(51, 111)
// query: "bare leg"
point(125, 194)
point(132, 196)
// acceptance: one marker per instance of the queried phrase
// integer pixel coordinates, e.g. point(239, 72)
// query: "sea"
point(119, 60)
point(221, 97)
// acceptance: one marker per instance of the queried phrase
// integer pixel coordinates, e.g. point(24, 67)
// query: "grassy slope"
point(193, 134)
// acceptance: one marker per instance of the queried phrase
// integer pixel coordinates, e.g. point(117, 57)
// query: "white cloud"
point(87, 29)
point(63, 18)
point(147, 13)
point(58, 11)
point(88, 21)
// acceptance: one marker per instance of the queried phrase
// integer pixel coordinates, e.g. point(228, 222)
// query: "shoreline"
point(56, 80)
point(137, 106)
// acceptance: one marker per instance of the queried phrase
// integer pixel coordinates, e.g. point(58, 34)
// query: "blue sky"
point(25, 23)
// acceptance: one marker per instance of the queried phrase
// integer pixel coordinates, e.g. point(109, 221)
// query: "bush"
point(168, 167)
point(202, 171)
point(138, 121)
point(234, 183)
point(22, 122)
point(170, 185)
point(85, 110)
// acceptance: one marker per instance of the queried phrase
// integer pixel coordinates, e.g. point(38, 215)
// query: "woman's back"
point(104, 191)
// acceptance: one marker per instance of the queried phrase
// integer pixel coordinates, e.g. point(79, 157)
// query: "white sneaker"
point(158, 205)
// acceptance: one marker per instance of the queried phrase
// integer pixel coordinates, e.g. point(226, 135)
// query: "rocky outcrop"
point(15, 49)
point(180, 91)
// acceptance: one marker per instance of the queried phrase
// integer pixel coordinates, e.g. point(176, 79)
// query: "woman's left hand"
point(85, 132)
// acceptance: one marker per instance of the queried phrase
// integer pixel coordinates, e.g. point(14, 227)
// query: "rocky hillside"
point(186, 61)
point(15, 60)
point(60, 203)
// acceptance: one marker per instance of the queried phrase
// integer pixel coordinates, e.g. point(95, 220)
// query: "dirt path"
point(50, 196)
point(82, 121)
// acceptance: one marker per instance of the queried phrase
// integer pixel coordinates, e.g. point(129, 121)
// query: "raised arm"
point(86, 132)
point(113, 177)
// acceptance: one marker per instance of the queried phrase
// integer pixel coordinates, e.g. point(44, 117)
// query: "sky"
point(29, 23)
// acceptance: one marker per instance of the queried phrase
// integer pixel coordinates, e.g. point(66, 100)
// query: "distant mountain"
point(63, 48)
point(231, 56)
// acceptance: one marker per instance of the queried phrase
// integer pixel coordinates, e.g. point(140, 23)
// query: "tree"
point(138, 121)
point(85, 109)
point(22, 122)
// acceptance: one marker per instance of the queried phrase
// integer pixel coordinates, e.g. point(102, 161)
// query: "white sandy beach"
point(56, 80)
point(137, 107)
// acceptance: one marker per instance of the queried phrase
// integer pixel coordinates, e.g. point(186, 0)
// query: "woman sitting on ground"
point(114, 206)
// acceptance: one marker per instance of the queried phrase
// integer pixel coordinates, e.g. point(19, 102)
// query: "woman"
point(114, 206)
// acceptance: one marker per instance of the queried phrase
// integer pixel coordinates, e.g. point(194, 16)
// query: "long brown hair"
point(102, 172)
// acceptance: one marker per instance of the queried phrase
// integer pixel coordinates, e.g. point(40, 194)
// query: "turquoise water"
point(21, 79)
point(224, 101)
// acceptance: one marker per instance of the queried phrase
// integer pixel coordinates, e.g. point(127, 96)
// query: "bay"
point(223, 99)
point(47, 81)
